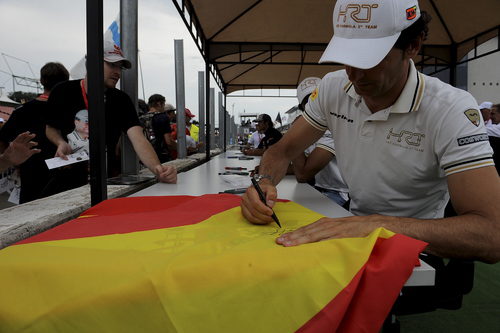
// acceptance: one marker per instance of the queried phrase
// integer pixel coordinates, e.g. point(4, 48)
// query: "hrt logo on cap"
point(366, 30)
point(116, 50)
point(360, 13)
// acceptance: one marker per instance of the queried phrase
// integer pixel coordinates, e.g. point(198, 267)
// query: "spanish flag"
point(194, 264)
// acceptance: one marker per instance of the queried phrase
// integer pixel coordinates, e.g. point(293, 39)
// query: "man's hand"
point(63, 149)
point(327, 228)
point(166, 174)
point(252, 207)
point(20, 149)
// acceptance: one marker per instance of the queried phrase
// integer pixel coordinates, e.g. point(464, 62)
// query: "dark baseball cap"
point(263, 117)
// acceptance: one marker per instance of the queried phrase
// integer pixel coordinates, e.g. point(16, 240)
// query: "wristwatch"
point(259, 177)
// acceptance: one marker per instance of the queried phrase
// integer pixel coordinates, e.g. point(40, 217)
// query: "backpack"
point(146, 123)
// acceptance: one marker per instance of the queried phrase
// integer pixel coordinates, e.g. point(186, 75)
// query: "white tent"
point(255, 44)
point(4, 100)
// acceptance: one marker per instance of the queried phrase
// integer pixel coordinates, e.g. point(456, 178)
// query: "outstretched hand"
point(328, 228)
point(63, 149)
point(21, 149)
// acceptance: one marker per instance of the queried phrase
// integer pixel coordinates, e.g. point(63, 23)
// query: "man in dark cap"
point(271, 135)
point(121, 117)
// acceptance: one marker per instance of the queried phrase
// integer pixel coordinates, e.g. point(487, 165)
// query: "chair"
point(454, 279)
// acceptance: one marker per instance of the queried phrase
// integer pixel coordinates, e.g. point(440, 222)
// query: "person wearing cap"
point(485, 108)
point(79, 138)
point(191, 145)
point(271, 135)
point(121, 117)
point(31, 117)
point(493, 128)
point(256, 137)
point(162, 115)
point(318, 164)
point(405, 142)
point(495, 114)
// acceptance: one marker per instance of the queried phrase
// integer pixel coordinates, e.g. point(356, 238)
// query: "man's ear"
point(414, 47)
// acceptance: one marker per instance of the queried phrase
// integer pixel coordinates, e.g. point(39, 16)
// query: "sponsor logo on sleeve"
point(467, 140)
point(473, 116)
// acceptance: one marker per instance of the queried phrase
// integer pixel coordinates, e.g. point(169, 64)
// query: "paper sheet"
point(58, 162)
point(236, 181)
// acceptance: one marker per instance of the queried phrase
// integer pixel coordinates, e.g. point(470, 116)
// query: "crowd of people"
point(56, 122)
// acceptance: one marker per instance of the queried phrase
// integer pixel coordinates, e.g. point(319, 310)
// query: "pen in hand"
point(263, 199)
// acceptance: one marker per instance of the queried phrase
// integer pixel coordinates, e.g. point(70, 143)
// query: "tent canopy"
point(257, 44)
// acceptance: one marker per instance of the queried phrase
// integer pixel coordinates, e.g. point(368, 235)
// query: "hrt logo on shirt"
point(412, 140)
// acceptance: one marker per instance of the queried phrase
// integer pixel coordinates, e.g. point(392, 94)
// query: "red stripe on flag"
point(124, 215)
point(363, 305)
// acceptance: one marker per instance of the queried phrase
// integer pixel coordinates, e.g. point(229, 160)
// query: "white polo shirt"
point(395, 161)
point(329, 177)
point(493, 130)
point(255, 139)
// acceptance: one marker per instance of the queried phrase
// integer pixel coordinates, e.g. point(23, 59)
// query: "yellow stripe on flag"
point(221, 275)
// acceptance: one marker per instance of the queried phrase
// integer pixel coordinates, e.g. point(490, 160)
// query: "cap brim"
point(359, 53)
point(126, 63)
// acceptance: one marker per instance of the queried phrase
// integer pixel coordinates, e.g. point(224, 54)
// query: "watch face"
point(259, 177)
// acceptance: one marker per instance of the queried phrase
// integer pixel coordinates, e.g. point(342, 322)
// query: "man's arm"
point(146, 153)
point(474, 234)
point(18, 151)
point(54, 136)
point(274, 163)
point(254, 151)
point(305, 168)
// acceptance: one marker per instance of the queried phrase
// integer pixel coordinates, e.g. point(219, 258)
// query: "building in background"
point(484, 74)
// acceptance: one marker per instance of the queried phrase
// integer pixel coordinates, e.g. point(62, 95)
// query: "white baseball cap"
point(306, 87)
point(485, 105)
point(364, 31)
point(113, 53)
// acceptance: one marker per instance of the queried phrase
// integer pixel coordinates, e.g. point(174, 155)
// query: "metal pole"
point(201, 106)
point(225, 122)
point(212, 117)
point(180, 98)
point(221, 122)
point(128, 83)
point(207, 111)
point(453, 65)
point(95, 90)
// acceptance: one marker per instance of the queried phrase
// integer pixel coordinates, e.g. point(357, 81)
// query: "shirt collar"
point(410, 97)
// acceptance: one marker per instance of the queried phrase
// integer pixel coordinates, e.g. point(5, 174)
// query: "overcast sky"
point(53, 30)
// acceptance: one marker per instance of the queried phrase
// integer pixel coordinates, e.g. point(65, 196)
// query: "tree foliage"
point(22, 96)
